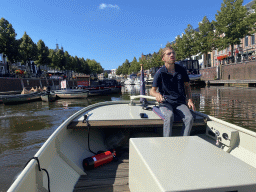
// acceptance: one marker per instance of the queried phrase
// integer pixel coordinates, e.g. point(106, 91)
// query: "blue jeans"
point(181, 110)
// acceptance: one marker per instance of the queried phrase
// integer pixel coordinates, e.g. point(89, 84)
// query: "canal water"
point(25, 127)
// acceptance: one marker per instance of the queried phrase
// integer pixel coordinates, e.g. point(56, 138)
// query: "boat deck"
point(110, 177)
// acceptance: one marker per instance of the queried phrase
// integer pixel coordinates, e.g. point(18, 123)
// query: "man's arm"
point(189, 96)
point(157, 95)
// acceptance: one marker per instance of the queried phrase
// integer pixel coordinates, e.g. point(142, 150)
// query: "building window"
point(253, 39)
point(246, 41)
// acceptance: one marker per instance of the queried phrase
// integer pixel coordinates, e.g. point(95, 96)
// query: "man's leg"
point(187, 118)
point(167, 111)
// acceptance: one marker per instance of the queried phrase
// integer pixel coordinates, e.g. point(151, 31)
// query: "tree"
point(94, 66)
point(125, 67)
point(43, 54)
point(105, 75)
point(27, 50)
point(60, 59)
point(233, 22)
point(179, 48)
point(156, 60)
point(84, 66)
point(189, 43)
point(135, 66)
point(8, 44)
point(119, 70)
point(53, 59)
point(205, 37)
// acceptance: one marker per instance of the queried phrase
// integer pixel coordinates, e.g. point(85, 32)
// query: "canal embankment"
point(16, 85)
point(236, 74)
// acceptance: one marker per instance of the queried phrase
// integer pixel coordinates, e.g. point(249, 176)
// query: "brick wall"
point(15, 84)
point(208, 74)
point(10, 84)
point(239, 71)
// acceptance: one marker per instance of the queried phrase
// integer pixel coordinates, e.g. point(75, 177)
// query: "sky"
point(108, 31)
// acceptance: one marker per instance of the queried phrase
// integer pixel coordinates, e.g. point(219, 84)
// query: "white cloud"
point(104, 6)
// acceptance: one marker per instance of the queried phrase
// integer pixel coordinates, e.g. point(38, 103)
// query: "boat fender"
point(98, 160)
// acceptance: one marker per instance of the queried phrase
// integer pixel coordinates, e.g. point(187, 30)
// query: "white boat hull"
point(194, 77)
point(63, 152)
point(73, 95)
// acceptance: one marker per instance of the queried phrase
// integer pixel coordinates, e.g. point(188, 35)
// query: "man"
point(172, 82)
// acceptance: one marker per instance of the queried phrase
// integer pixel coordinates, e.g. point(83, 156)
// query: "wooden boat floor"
point(110, 177)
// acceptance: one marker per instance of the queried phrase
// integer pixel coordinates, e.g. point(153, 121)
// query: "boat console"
point(223, 134)
point(186, 164)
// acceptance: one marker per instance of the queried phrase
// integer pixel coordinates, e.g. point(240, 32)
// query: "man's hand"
point(191, 105)
point(159, 98)
point(157, 95)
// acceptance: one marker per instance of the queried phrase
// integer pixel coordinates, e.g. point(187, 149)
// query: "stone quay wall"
point(240, 71)
point(16, 84)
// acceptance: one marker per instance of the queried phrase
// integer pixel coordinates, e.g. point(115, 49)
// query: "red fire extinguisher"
point(98, 160)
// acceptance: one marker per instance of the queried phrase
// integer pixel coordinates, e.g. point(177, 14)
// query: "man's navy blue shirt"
point(172, 86)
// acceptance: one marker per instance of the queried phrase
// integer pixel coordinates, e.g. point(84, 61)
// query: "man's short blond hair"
point(167, 48)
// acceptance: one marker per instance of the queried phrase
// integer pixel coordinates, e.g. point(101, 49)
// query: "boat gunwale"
point(33, 162)
point(209, 117)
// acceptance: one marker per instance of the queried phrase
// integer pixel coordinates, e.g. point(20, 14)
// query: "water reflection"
point(233, 104)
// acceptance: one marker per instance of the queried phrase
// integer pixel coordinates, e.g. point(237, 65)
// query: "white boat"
point(48, 97)
point(193, 69)
point(147, 161)
point(193, 77)
point(137, 81)
point(129, 81)
point(72, 93)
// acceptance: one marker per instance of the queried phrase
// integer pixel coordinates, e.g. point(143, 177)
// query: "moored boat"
point(21, 98)
point(134, 130)
point(192, 67)
point(72, 93)
point(3, 96)
point(194, 77)
point(48, 97)
point(97, 92)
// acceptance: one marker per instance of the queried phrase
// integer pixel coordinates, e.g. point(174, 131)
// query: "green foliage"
point(84, 68)
point(126, 66)
point(205, 38)
point(53, 59)
point(8, 43)
point(105, 75)
point(179, 48)
point(233, 21)
point(27, 49)
point(156, 60)
point(189, 43)
point(135, 66)
point(119, 70)
point(94, 66)
point(43, 54)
